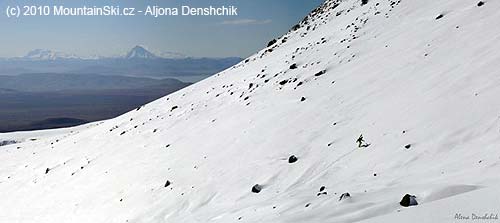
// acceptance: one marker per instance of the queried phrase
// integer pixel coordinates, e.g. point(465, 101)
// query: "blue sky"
point(206, 36)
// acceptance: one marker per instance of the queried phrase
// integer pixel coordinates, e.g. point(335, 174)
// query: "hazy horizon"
point(196, 36)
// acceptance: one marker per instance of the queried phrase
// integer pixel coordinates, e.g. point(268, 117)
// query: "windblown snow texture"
point(422, 91)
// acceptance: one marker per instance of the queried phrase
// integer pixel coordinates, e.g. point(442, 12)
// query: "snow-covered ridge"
point(43, 54)
point(137, 52)
point(417, 79)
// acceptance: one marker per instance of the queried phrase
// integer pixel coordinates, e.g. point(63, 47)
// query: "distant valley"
point(43, 101)
point(47, 89)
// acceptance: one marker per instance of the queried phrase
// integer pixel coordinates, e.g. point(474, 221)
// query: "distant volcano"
point(139, 52)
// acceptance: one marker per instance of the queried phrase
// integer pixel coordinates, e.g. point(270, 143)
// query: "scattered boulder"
point(292, 159)
point(364, 2)
point(47, 170)
point(173, 108)
point(480, 3)
point(408, 146)
point(168, 183)
point(320, 73)
point(303, 99)
point(321, 193)
point(283, 82)
point(344, 196)
point(272, 42)
point(293, 66)
point(440, 16)
point(256, 188)
point(408, 200)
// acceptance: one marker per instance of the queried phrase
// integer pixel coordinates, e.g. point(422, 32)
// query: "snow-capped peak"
point(140, 52)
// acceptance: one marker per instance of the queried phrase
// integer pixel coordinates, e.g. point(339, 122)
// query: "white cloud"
point(246, 22)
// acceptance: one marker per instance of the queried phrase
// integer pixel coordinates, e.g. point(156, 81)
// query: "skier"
point(360, 141)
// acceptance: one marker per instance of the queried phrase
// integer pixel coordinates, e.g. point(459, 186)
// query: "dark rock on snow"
point(295, 27)
point(408, 200)
point(292, 159)
point(322, 188)
point(344, 196)
point(168, 183)
point(320, 73)
point(321, 193)
point(256, 188)
point(272, 42)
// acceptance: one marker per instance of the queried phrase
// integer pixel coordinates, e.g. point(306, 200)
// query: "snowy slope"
point(393, 72)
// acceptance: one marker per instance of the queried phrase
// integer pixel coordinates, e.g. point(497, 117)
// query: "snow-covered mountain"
point(43, 54)
point(139, 52)
point(417, 79)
